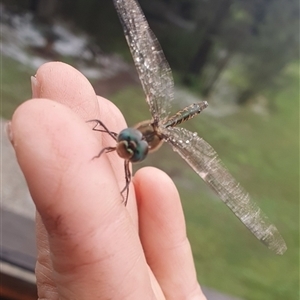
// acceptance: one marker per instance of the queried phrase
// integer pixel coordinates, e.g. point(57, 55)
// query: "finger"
point(163, 235)
point(62, 83)
point(95, 249)
point(44, 270)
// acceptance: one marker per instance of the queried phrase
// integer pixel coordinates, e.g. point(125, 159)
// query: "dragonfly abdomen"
point(186, 114)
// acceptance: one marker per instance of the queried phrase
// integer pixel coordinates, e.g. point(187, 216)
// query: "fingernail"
point(9, 132)
point(34, 87)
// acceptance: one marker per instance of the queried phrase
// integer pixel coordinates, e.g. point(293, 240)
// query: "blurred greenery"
point(200, 38)
point(261, 150)
point(15, 85)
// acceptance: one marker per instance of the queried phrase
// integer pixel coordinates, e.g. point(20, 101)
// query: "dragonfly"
point(134, 143)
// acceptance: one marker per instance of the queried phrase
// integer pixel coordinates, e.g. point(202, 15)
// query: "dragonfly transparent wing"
point(204, 160)
point(152, 67)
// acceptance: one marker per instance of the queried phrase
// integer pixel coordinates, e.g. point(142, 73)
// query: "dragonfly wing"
point(152, 67)
point(206, 163)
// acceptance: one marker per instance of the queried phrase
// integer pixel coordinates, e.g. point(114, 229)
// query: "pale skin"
point(90, 246)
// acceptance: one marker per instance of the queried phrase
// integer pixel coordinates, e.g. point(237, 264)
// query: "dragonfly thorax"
point(131, 145)
point(150, 134)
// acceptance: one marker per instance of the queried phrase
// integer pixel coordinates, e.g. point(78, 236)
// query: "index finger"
point(62, 83)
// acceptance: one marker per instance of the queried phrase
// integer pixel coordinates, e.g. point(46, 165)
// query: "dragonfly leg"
point(106, 150)
point(128, 180)
point(105, 129)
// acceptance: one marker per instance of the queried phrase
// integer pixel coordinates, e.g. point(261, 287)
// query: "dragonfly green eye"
point(131, 145)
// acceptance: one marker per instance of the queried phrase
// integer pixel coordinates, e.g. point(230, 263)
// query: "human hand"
point(90, 246)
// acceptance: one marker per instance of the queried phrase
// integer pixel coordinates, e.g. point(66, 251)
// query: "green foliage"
point(204, 37)
point(268, 40)
point(262, 152)
point(15, 85)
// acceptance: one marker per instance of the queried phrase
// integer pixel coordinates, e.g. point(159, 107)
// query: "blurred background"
point(243, 58)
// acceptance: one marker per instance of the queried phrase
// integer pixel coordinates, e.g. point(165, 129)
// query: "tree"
point(206, 46)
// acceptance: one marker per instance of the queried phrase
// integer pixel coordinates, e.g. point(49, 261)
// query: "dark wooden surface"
point(17, 249)
point(17, 243)
point(12, 288)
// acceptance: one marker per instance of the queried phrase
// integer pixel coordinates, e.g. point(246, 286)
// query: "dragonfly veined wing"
point(133, 144)
point(152, 67)
point(206, 163)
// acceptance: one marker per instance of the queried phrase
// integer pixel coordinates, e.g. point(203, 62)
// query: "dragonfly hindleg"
point(128, 180)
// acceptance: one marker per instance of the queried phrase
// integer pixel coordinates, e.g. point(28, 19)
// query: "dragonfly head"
point(131, 145)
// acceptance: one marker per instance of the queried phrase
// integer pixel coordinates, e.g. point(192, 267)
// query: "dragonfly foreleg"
point(105, 129)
